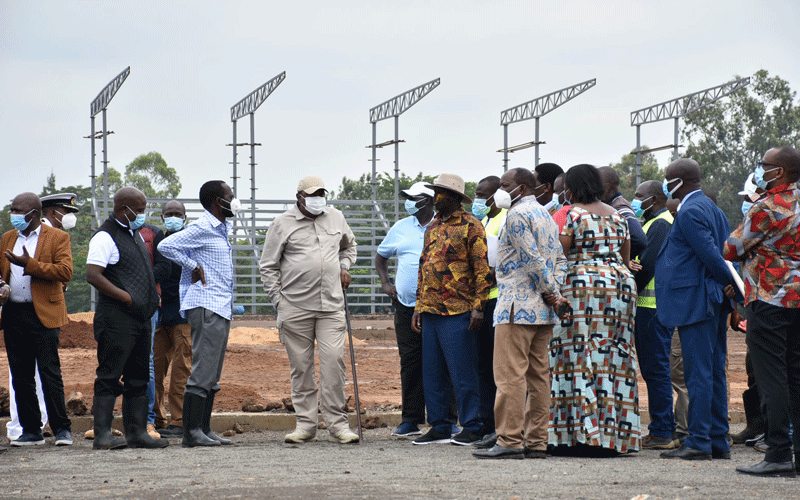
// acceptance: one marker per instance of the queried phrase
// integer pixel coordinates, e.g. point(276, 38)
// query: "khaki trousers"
point(679, 386)
point(521, 366)
point(298, 331)
point(172, 345)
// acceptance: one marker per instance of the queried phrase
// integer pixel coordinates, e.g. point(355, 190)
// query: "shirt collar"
point(295, 210)
point(685, 198)
point(33, 233)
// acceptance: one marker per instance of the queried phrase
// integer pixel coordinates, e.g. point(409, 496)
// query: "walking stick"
point(353, 364)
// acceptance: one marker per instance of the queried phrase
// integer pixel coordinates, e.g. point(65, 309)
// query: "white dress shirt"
point(21, 283)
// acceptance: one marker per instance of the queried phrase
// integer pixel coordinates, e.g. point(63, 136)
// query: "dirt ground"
point(257, 370)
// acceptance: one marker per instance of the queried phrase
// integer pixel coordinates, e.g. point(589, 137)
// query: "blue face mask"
point(758, 176)
point(746, 206)
point(636, 205)
point(411, 207)
point(174, 224)
point(480, 209)
point(665, 187)
point(19, 222)
point(137, 222)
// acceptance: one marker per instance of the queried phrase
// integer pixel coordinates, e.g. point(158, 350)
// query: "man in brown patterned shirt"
point(453, 287)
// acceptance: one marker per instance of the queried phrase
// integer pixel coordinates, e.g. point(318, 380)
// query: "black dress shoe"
point(498, 451)
point(785, 469)
point(687, 453)
point(719, 454)
point(487, 442)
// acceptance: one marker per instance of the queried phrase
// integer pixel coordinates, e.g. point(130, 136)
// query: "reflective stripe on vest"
point(647, 297)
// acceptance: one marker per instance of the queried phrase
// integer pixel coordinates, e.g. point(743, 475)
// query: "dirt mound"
point(245, 335)
point(78, 333)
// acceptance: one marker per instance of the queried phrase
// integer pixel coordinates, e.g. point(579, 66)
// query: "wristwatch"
point(343, 266)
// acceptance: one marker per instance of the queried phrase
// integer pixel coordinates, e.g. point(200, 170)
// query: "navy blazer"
point(690, 270)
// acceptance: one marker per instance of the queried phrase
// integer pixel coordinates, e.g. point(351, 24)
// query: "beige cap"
point(310, 184)
point(451, 182)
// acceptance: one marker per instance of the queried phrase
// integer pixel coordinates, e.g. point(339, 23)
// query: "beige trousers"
point(299, 329)
point(521, 366)
point(172, 345)
point(679, 385)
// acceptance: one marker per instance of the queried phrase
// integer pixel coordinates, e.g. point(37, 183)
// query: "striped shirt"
point(204, 243)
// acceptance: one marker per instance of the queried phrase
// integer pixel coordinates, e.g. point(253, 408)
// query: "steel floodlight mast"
point(535, 109)
point(394, 107)
point(675, 108)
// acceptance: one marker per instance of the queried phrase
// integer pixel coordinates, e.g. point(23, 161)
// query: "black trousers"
point(28, 342)
point(486, 367)
point(123, 350)
point(773, 338)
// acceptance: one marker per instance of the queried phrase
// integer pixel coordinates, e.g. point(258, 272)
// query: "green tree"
point(626, 169)
point(730, 136)
point(150, 173)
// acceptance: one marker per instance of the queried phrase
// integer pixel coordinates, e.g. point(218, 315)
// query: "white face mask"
point(68, 221)
point(502, 198)
point(315, 204)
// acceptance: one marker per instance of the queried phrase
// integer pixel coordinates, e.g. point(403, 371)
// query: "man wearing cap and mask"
point(653, 339)
point(404, 241)
point(493, 219)
point(58, 210)
point(203, 250)
point(304, 267)
point(118, 266)
point(452, 291)
point(35, 260)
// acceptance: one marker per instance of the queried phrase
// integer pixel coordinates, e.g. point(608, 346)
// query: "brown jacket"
point(48, 268)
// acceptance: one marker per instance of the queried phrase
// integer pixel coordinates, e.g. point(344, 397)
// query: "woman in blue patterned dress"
point(595, 404)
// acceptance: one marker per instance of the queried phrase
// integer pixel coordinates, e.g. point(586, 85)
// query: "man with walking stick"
point(304, 267)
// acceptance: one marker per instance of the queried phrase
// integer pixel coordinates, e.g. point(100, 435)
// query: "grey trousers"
point(209, 341)
point(299, 329)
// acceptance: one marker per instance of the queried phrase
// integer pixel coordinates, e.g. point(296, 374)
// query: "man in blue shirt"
point(404, 241)
point(204, 252)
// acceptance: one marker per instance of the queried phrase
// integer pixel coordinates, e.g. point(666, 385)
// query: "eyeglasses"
point(763, 163)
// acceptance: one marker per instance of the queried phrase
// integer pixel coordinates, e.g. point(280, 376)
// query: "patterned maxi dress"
point(593, 366)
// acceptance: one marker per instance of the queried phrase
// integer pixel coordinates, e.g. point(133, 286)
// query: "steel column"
point(235, 163)
point(105, 166)
point(536, 147)
point(505, 147)
point(396, 168)
point(638, 155)
point(253, 172)
point(374, 181)
point(675, 144)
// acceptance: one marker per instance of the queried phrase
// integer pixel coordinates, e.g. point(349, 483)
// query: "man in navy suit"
point(693, 286)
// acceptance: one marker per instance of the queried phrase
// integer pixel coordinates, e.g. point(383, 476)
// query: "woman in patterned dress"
point(595, 404)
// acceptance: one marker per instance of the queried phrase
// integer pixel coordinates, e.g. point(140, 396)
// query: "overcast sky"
point(192, 60)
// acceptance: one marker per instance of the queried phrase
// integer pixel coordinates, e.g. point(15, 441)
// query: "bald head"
point(29, 205)
point(174, 208)
point(650, 188)
point(29, 200)
point(610, 179)
point(688, 171)
point(128, 203)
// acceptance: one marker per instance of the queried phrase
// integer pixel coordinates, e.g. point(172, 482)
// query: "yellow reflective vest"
point(647, 297)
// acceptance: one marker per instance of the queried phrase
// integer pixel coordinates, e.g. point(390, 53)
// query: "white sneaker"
point(344, 436)
point(299, 436)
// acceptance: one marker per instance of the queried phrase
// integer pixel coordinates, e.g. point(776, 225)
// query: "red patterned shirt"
point(453, 269)
point(768, 242)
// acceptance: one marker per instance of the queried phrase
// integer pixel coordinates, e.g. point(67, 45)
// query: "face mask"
point(315, 204)
point(411, 207)
point(540, 195)
point(502, 198)
point(68, 221)
point(636, 205)
point(480, 209)
point(233, 206)
point(174, 224)
point(665, 187)
point(19, 222)
point(746, 206)
point(758, 176)
point(137, 222)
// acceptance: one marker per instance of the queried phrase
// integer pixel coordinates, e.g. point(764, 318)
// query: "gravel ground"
point(260, 465)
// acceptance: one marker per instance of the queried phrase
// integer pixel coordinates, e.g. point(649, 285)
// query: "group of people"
point(525, 320)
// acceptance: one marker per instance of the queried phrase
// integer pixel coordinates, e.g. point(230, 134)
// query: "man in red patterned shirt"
point(768, 241)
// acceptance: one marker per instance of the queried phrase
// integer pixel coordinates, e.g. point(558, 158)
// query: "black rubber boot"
point(103, 411)
point(134, 417)
point(193, 410)
point(752, 412)
point(207, 421)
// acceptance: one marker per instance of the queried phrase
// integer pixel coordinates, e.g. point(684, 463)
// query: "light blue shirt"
point(404, 241)
point(204, 243)
point(530, 262)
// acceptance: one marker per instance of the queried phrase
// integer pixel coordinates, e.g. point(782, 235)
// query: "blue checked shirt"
point(204, 243)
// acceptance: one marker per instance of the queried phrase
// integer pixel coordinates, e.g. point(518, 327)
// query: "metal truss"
point(542, 105)
point(687, 104)
point(104, 97)
point(251, 103)
point(397, 105)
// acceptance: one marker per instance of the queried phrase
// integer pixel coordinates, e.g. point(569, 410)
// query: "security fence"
point(369, 221)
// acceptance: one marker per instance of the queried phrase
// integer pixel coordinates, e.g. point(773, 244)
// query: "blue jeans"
point(151, 385)
point(450, 361)
point(653, 343)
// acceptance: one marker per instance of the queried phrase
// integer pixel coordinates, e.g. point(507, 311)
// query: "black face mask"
point(444, 201)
